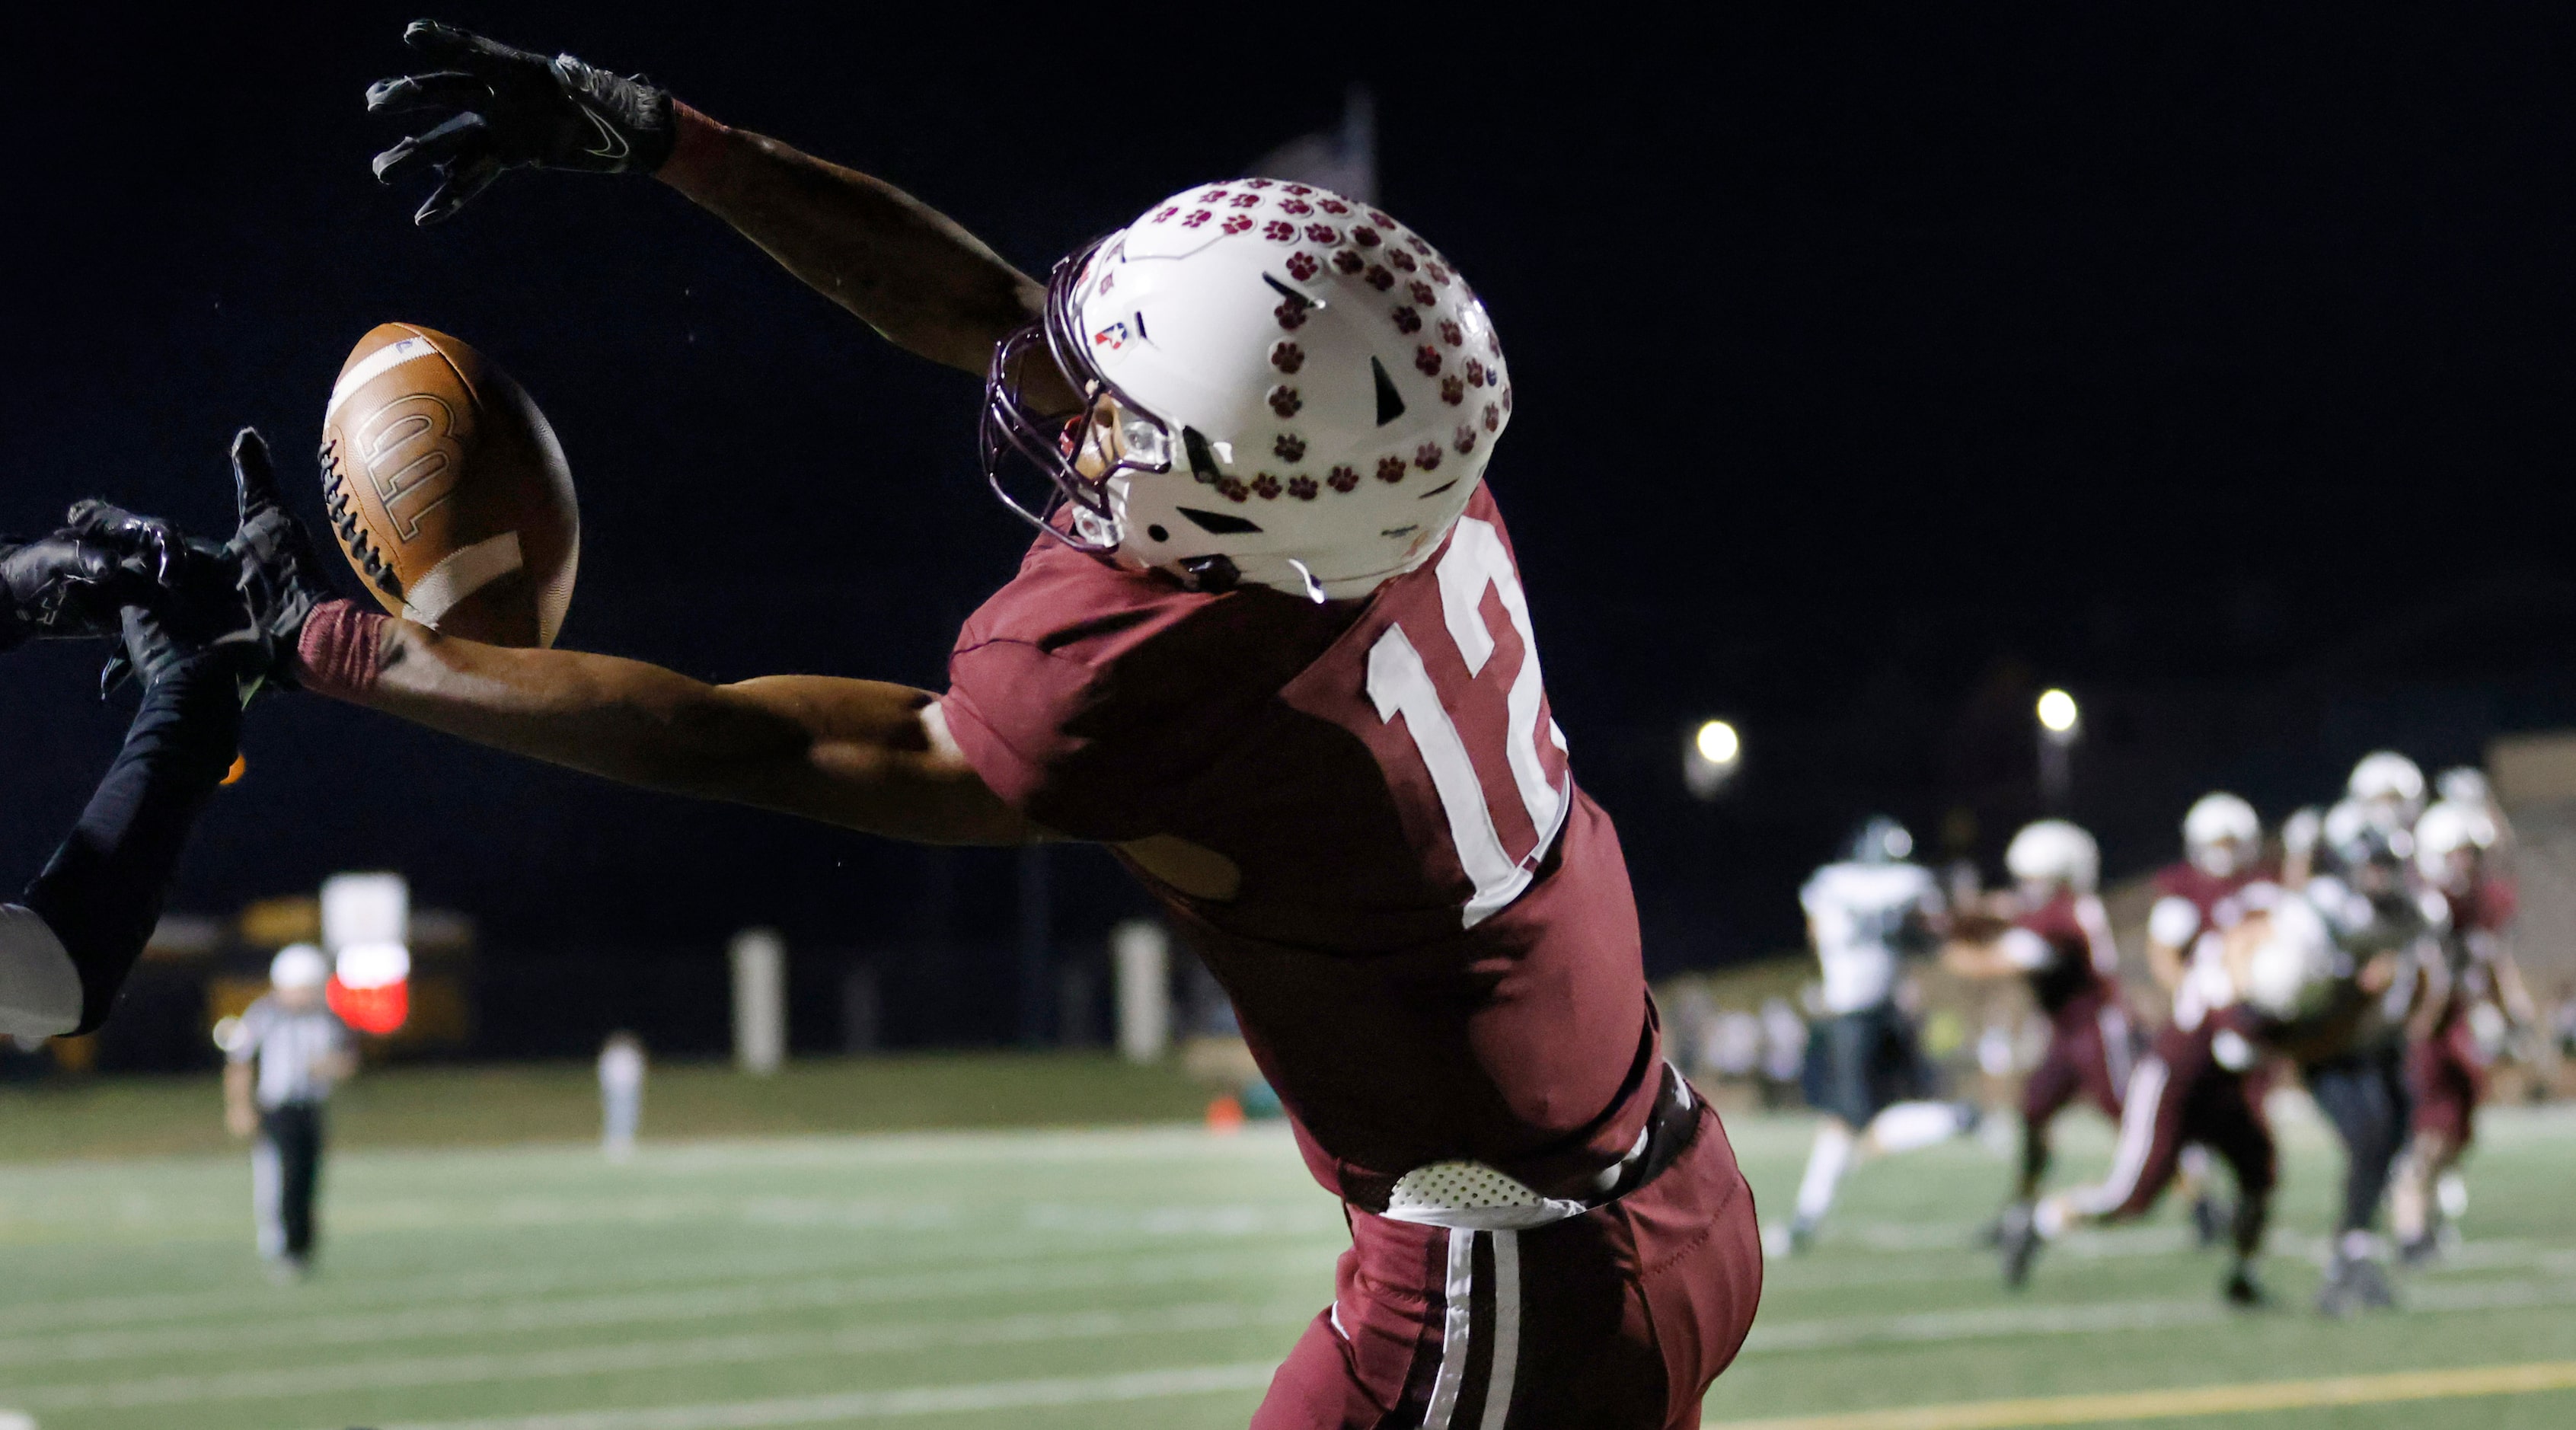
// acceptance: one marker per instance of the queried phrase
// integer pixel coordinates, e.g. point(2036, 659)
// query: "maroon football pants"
point(2448, 1080)
point(2182, 1095)
point(1617, 1319)
point(2089, 1054)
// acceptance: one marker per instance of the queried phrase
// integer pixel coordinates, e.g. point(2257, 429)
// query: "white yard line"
point(1847, 1332)
point(1059, 1391)
point(1012, 1279)
point(630, 1357)
point(1040, 1234)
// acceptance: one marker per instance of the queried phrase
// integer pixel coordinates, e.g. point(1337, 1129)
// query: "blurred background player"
point(2059, 938)
point(2191, 1090)
point(621, 1094)
point(1865, 1068)
point(282, 1059)
point(2388, 788)
point(2343, 1016)
point(2219, 879)
point(2474, 981)
point(67, 945)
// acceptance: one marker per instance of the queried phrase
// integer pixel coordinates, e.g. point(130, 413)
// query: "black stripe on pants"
point(292, 1133)
point(2364, 1096)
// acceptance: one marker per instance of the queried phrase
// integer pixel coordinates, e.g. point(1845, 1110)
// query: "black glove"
point(496, 108)
point(71, 583)
point(254, 592)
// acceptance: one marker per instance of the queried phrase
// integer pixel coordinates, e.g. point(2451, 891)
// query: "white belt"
point(1473, 1196)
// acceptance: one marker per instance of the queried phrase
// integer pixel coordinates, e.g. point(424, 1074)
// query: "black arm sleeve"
point(102, 891)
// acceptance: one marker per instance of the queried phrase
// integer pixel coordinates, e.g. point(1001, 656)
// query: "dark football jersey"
point(1434, 951)
point(2068, 956)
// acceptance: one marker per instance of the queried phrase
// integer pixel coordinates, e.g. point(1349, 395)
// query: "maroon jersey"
point(2064, 947)
point(2219, 898)
point(1434, 950)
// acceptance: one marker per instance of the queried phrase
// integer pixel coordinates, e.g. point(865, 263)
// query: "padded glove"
point(491, 107)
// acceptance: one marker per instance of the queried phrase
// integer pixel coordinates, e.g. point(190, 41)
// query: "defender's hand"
point(492, 107)
point(280, 580)
point(71, 583)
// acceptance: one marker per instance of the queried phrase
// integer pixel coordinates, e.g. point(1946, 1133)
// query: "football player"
point(2342, 1019)
point(68, 943)
point(2060, 940)
point(1865, 1071)
point(2446, 1063)
point(2197, 900)
point(2191, 1090)
point(1269, 644)
point(2389, 788)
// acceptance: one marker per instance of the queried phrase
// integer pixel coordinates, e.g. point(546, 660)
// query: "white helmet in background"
point(2466, 785)
point(2220, 834)
point(2291, 973)
point(299, 965)
point(2053, 851)
point(1285, 388)
point(2390, 784)
point(2448, 829)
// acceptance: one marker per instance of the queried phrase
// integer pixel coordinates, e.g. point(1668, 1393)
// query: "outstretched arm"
point(909, 271)
point(862, 754)
point(904, 268)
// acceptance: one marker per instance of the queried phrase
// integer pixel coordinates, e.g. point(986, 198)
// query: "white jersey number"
point(1399, 684)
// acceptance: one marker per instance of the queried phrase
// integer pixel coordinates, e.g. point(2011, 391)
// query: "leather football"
point(447, 490)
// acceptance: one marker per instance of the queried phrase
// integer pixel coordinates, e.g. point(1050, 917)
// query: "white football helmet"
point(2220, 834)
point(2447, 830)
point(2053, 851)
point(299, 965)
point(2390, 784)
point(2466, 785)
point(1284, 388)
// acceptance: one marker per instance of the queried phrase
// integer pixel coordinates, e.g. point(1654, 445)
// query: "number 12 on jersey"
point(1400, 684)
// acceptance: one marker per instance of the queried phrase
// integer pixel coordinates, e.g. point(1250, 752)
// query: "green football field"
point(1150, 1278)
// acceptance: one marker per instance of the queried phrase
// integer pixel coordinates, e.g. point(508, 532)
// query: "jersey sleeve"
point(2174, 921)
point(2025, 950)
point(255, 1022)
point(40, 991)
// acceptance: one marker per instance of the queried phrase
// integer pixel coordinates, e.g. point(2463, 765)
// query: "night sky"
point(1868, 381)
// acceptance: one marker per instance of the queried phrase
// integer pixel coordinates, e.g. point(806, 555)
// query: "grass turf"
point(1145, 1277)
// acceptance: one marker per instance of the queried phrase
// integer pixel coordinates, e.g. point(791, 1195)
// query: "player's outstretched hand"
point(490, 107)
point(281, 577)
point(249, 596)
point(71, 583)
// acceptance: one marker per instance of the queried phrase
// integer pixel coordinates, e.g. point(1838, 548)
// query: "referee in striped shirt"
point(282, 1061)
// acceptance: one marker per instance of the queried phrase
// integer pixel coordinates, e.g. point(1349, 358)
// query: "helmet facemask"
point(1076, 454)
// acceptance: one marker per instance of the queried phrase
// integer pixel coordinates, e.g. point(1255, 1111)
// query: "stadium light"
point(2058, 715)
point(1712, 757)
point(2061, 723)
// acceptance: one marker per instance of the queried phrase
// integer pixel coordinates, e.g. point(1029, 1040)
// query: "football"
point(447, 489)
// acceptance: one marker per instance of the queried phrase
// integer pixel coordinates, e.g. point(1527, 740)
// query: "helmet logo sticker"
point(1427, 456)
point(1285, 401)
point(1390, 403)
point(1427, 358)
point(1392, 469)
point(1287, 356)
point(1341, 479)
point(1302, 488)
point(1290, 447)
point(1407, 321)
point(1202, 461)
point(1302, 266)
point(1453, 390)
